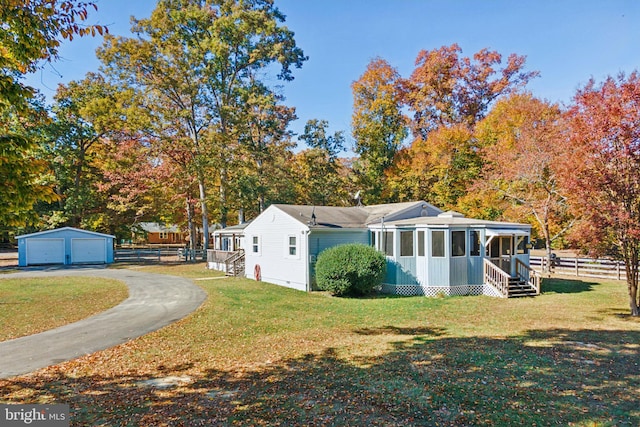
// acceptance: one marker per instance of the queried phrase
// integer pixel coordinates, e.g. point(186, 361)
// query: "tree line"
point(183, 124)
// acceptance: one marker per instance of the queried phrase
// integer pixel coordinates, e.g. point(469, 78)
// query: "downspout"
point(308, 259)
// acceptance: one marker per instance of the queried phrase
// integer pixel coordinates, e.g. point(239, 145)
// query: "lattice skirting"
point(220, 266)
point(437, 291)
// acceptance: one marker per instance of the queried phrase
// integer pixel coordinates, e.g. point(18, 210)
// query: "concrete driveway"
point(154, 301)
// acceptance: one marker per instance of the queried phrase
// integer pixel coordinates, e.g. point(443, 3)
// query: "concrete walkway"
point(154, 301)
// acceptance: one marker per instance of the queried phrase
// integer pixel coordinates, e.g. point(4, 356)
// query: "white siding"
point(272, 228)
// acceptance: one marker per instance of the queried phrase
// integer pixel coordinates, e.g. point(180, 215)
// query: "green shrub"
point(350, 269)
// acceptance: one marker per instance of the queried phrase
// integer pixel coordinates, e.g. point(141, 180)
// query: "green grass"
point(29, 306)
point(257, 354)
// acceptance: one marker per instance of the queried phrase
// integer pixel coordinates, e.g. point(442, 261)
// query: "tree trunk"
point(205, 214)
point(223, 198)
point(547, 245)
point(192, 230)
point(631, 255)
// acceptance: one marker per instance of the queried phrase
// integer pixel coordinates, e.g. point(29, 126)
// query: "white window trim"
point(258, 244)
point(287, 246)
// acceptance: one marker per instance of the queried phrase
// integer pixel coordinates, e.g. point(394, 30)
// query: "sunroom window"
point(406, 243)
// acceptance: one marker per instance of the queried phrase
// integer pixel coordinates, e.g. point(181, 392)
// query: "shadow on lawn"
point(565, 286)
point(542, 377)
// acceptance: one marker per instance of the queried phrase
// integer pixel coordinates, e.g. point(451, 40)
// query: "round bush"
point(350, 269)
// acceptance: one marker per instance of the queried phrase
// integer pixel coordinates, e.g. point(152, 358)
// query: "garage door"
point(45, 251)
point(88, 251)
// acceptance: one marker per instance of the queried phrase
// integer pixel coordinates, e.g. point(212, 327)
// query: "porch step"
point(520, 288)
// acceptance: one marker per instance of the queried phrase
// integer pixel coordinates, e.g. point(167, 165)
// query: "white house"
point(429, 252)
point(283, 242)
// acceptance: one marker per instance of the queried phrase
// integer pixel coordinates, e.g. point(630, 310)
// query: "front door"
point(500, 252)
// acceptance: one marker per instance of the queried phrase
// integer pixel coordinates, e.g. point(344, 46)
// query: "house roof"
point(329, 217)
point(57, 230)
point(155, 227)
point(455, 219)
point(232, 228)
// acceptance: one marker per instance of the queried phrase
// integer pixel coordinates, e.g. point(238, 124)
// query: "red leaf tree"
point(603, 171)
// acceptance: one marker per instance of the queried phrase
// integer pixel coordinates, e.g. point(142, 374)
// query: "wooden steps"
point(520, 288)
point(235, 264)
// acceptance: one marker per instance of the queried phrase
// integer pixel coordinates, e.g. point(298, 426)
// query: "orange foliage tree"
point(379, 127)
point(602, 171)
point(446, 95)
point(521, 148)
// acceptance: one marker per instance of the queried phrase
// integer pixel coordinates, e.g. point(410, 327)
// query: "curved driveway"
point(154, 301)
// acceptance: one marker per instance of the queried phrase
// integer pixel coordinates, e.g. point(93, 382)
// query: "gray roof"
point(455, 219)
point(232, 228)
point(155, 227)
point(328, 217)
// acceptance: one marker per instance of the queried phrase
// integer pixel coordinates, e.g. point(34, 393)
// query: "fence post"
point(577, 271)
point(618, 269)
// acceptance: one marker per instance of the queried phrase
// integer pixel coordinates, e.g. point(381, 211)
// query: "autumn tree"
point(521, 145)
point(319, 181)
point(602, 171)
point(438, 169)
point(447, 89)
point(193, 64)
point(133, 186)
point(71, 142)
point(31, 32)
point(378, 125)
point(446, 95)
point(260, 168)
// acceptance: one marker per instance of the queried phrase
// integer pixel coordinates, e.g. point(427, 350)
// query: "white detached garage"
point(65, 246)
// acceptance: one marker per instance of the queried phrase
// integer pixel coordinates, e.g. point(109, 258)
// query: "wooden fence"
point(586, 267)
point(157, 254)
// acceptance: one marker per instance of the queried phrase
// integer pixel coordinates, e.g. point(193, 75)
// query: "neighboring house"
point(65, 246)
point(429, 252)
point(155, 234)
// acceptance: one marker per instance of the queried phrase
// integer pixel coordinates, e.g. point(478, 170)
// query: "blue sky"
point(567, 41)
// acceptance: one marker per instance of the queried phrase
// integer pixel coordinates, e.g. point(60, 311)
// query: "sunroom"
point(449, 254)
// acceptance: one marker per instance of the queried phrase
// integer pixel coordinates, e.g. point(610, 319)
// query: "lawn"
point(257, 354)
point(29, 306)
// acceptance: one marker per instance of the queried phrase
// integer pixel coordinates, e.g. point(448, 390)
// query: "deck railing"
point(496, 277)
point(235, 263)
point(529, 275)
point(215, 255)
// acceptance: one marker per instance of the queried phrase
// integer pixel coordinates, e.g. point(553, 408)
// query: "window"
point(293, 247)
point(523, 245)
point(458, 243)
point(164, 235)
point(255, 245)
point(474, 243)
point(373, 239)
point(437, 243)
point(387, 242)
point(420, 243)
point(406, 243)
